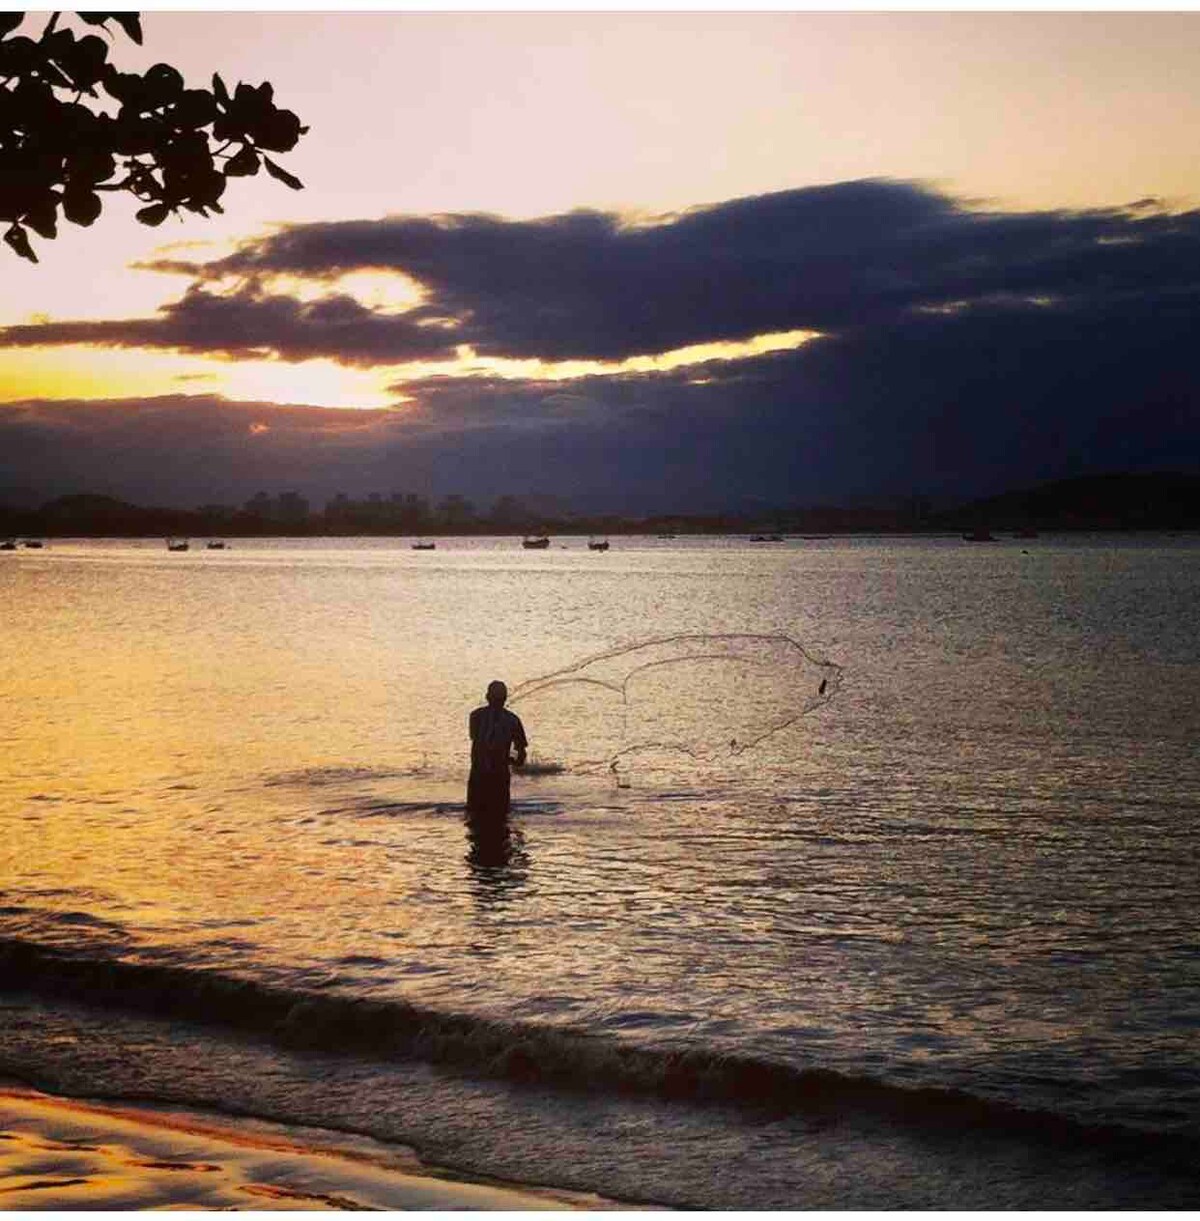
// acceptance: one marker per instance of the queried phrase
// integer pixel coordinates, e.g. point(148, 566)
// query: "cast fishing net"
point(697, 697)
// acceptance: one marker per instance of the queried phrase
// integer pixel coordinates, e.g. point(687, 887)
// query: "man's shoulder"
point(506, 715)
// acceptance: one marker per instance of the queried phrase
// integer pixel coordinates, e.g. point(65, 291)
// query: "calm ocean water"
point(943, 912)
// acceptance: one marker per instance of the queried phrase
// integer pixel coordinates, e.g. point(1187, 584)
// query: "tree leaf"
point(131, 23)
point(287, 179)
point(17, 55)
point(81, 207)
point(57, 43)
point(121, 85)
point(154, 214)
point(243, 162)
point(277, 131)
point(86, 61)
point(88, 166)
point(163, 82)
point(17, 238)
point(194, 108)
point(156, 143)
point(43, 218)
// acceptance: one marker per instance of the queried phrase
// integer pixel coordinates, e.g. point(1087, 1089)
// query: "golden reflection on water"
point(145, 708)
point(256, 759)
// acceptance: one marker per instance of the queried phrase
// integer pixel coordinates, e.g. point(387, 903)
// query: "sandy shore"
point(65, 1154)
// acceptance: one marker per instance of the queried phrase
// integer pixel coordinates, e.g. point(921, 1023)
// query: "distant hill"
point(1164, 500)
point(88, 514)
point(92, 509)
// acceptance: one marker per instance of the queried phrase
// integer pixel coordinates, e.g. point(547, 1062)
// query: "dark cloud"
point(253, 324)
point(948, 405)
point(185, 449)
point(586, 285)
point(589, 286)
point(951, 405)
point(961, 353)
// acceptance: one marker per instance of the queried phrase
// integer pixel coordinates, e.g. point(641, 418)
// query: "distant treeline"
point(1160, 501)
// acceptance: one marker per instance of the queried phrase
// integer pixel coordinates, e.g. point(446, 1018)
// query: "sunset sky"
point(653, 260)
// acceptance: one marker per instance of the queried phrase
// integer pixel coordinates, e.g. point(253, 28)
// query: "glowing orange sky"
point(528, 114)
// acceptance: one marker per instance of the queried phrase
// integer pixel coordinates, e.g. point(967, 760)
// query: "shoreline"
point(67, 1153)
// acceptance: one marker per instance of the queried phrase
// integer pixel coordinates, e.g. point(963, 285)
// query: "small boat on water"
point(766, 538)
point(35, 543)
point(423, 545)
point(597, 544)
point(979, 535)
point(9, 544)
point(215, 545)
point(178, 544)
point(535, 543)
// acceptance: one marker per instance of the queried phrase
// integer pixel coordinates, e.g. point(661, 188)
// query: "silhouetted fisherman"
point(495, 731)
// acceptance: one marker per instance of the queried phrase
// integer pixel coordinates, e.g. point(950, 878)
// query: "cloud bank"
point(958, 350)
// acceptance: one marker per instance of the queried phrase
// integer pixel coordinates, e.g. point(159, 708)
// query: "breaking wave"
point(526, 1053)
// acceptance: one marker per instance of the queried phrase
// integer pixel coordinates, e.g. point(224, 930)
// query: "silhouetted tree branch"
point(146, 134)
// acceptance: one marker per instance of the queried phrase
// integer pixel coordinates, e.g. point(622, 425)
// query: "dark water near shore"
point(953, 898)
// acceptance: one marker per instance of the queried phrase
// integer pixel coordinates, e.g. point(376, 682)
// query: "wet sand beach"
point(67, 1154)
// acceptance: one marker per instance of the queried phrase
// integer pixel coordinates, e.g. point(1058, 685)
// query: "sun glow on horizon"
point(79, 371)
point(469, 363)
point(316, 383)
point(82, 371)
